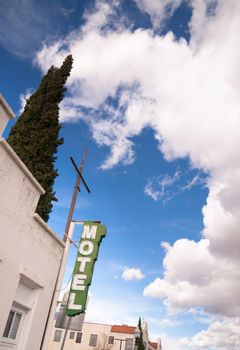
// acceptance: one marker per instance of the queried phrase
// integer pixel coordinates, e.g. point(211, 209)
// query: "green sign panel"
point(92, 235)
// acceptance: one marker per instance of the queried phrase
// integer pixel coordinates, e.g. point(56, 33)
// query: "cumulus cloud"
point(194, 277)
point(219, 335)
point(159, 11)
point(189, 93)
point(130, 274)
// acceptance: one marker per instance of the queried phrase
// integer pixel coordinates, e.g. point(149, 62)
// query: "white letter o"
point(86, 251)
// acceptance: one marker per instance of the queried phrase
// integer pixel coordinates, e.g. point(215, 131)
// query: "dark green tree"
point(35, 136)
point(139, 339)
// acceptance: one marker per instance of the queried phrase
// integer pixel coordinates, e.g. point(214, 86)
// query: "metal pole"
point(50, 318)
point(74, 197)
point(65, 334)
point(65, 255)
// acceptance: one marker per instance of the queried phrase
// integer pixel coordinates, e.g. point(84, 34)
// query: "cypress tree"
point(139, 340)
point(35, 136)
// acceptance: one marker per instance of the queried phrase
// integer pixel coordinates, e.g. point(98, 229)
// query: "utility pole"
point(74, 196)
point(50, 318)
point(65, 334)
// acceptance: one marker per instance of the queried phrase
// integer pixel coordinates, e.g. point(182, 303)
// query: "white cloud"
point(196, 180)
point(195, 277)
point(130, 274)
point(159, 11)
point(157, 188)
point(166, 187)
point(219, 335)
point(189, 94)
point(149, 191)
point(23, 98)
point(100, 16)
point(169, 343)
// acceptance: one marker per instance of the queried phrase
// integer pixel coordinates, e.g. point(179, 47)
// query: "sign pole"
point(65, 334)
point(49, 322)
point(74, 197)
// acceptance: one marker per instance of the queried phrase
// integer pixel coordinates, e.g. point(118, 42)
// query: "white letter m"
point(89, 233)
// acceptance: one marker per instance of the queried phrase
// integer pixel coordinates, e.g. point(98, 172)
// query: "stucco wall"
point(5, 114)
point(30, 253)
point(102, 330)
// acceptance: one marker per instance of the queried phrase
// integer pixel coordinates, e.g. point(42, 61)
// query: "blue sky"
point(154, 98)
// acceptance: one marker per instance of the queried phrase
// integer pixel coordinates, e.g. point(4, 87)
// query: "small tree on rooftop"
point(35, 136)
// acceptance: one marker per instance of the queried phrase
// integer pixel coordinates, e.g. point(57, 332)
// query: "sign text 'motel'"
point(92, 235)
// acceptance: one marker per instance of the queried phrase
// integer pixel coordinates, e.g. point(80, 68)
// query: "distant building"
point(97, 336)
point(30, 253)
point(62, 319)
point(154, 345)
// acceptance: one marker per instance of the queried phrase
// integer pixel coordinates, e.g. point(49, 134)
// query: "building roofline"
point(6, 107)
point(153, 344)
point(21, 165)
point(123, 329)
point(48, 229)
point(103, 324)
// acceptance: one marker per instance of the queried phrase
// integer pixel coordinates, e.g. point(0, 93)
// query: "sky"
point(154, 97)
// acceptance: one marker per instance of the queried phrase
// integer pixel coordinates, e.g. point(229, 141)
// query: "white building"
point(96, 336)
point(30, 253)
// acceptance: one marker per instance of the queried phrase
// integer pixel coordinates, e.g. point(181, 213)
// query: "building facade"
point(30, 252)
point(97, 336)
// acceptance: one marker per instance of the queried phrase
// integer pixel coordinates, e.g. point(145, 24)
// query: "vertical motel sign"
point(92, 235)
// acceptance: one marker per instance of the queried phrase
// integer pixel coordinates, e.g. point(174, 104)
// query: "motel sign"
point(92, 235)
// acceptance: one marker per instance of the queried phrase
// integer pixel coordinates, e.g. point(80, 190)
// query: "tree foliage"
point(139, 340)
point(35, 136)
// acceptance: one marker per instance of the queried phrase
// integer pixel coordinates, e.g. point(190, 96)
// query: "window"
point(79, 337)
point(110, 339)
point(57, 335)
point(93, 340)
point(12, 324)
point(129, 344)
point(72, 335)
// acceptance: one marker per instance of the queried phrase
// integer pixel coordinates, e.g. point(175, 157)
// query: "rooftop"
point(123, 329)
point(154, 345)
